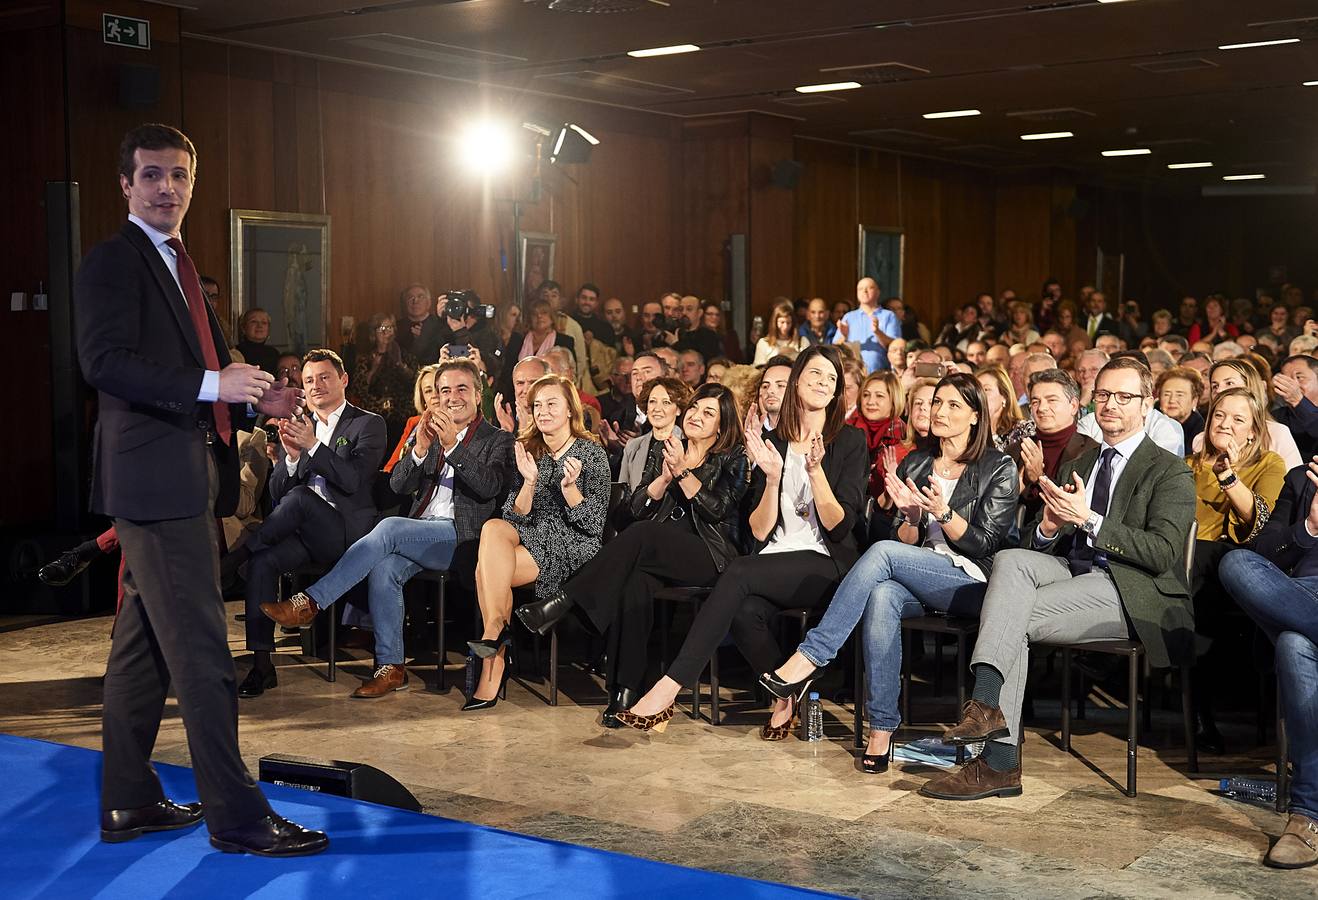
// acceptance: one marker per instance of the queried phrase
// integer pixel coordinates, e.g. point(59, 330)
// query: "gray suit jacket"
point(634, 456)
point(482, 473)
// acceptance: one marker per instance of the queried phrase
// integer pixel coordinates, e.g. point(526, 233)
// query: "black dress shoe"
point(543, 615)
point(620, 699)
point(257, 683)
point(60, 571)
point(272, 836)
point(119, 825)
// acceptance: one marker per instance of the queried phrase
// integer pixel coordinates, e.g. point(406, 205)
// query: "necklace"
point(944, 468)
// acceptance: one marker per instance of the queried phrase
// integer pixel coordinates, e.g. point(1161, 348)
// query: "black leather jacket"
point(715, 508)
point(985, 496)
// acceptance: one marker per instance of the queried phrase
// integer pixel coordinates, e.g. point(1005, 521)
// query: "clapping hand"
point(843, 329)
point(423, 435)
point(930, 497)
point(1311, 473)
point(1031, 459)
point(814, 454)
point(1287, 388)
point(887, 459)
point(571, 471)
point(764, 455)
point(1227, 457)
point(446, 432)
point(754, 422)
point(904, 496)
point(296, 434)
point(503, 411)
point(1063, 505)
point(674, 456)
point(526, 465)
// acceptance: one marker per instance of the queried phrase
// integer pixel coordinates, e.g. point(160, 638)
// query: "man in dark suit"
point(1099, 322)
point(165, 466)
point(459, 466)
point(1275, 582)
point(321, 485)
point(1105, 556)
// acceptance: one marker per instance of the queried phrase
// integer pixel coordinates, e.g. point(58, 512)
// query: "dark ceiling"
point(1140, 73)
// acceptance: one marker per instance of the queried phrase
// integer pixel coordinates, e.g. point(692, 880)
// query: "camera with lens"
point(461, 304)
point(669, 323)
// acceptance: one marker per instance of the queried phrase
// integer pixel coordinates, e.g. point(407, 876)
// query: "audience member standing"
point(870, 325)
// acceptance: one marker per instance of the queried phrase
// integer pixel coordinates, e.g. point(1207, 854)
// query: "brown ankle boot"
point(1297, 847)
point(296, 611)
point(386, 680)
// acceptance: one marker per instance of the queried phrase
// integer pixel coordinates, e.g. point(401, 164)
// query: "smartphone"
point(929, 370)
point(455, 350)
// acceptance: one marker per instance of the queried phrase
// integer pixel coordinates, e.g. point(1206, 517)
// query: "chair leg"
point(938, 665)
point(1283, 761)
point(1133, 725)
point(553, 666)
point(332, 612)
point(1187, 715)
point(961, 688)
point(695, 688)
point(442, 677)
point(906, 676)
point(713, 688)
point(1066, 699)
point(1147, 693)
point(860, 695)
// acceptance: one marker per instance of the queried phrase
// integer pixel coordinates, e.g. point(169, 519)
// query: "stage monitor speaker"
point(139, 86)
point(786, 173)
point(342, 779)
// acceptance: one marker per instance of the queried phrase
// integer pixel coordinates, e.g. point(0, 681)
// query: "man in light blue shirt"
point(870, 326)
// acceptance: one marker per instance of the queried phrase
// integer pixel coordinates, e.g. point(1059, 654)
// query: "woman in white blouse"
point(783, 338)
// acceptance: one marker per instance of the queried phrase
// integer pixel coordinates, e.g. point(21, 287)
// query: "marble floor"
point(719, 798)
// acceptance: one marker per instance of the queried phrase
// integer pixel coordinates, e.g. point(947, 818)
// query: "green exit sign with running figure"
point(124, 31)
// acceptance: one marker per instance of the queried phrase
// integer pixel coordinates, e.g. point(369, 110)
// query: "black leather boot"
point(620, 698)
point(543, 615)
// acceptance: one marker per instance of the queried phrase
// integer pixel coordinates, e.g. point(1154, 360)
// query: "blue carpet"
point(50, 847)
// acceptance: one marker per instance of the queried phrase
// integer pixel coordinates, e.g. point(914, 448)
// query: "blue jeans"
point(891, 582)
point(1287, 610)
point(395, 550)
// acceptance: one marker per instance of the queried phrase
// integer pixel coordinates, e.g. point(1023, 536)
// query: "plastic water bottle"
point(814, 718)
point(1249, 790)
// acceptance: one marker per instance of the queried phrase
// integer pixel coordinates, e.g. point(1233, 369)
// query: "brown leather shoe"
point(296, 611)
point(974, 781)
point(1297, 848)
point(386, 680)
point(979, 722)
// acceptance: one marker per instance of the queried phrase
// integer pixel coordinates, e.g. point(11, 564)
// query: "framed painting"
point(536, 253)
point(882, 256)
point(280, 262)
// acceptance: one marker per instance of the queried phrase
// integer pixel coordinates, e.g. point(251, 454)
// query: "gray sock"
point(988, 685)
point(999, 756)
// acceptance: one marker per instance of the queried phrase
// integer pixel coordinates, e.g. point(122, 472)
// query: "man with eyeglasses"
point(1106, 561)
point(1161, 428)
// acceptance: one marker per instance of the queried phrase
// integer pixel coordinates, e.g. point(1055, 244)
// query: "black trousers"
point(171, 628)
point(751, 590)
point(616, 589)
point(303, 528)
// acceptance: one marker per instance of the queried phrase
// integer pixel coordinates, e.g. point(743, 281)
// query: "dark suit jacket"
point(348, 465)
point(137, 346)
point(482, 473)
point(1144, 532)
point(1284, 540)
point(1106, 325)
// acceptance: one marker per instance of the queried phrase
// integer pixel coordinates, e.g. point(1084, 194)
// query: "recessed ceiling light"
point(1113, 1)
point(952, 114)
point(1136, 151)
point(1047, 136)
point(1198, 165)
point(1254, 177)
point(835, 86)
point(664, 51)
point(1310, 84)
point(1246, 46)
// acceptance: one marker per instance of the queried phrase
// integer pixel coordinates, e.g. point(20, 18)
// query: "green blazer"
point(1149, 516)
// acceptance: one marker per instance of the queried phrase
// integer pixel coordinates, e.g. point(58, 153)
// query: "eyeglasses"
point(384, 328)
point(1121, 397)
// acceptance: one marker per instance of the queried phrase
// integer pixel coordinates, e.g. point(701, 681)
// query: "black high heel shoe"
point(486, 648)
point(785, 690)
point(475, 704)
point(875, 763)
point(620, 699)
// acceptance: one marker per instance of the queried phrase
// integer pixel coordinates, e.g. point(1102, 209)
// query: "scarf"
point(431, 486)
point(879, 433)
point(530, 349)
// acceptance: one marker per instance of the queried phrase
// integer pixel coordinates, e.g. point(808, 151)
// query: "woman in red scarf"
point(879, 415)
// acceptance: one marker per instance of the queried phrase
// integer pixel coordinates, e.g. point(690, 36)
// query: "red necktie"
point(191, 283)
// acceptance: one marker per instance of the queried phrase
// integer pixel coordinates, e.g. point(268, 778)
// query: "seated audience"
point(1275, 582)
point(1237, 479)
point(458, 466)
point(714, 320)
point(686, 533)
point(551, 525)
point(1161, 428)
point(806, 493)
point(716, 369)
point(552, 293)
point(423, 392)
point(1175, 345)
point(699, 335)
point(615, 400)
point(853, 373)
point(1002, 410)
point(384, 379)
point(1240, 373)
point(586, 312)
point(626, 339)
point(253, 472)
point(1054, 406)
point(665, 399)
point(1021, 329)
point(1107, 557)
point(1215, 328)
point(540, 333)
point(691, 368)
point(253, 331)
point(817, 328)
point(415, 309)
point(631, 419)
point(783, 338)
point(956, 507)
point(1296, 386)
point(1179, 391)
point(880, 417)
point(769, 395)
point(321, 485)
point(1098, 322)
point(561, 362)
point(1159, 360)
point(523, 374)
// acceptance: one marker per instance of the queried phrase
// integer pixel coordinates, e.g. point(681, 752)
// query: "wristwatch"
point(945, 517)
point(1091, 525)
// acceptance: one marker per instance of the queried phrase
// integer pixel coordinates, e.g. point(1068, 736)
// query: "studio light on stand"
point(572, 145)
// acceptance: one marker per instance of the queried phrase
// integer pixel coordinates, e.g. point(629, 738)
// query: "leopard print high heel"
point(657, 722)
point(770, 732)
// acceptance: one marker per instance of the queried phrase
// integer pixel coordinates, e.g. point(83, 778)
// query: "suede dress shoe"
point(63, 569)
point(1297, 848)
point(119, 825)
point(257, 683)
point(976, 780)
point(272, 836)
point(543, 615)
point(979, 722)
point(296, 611)
point(384, 682)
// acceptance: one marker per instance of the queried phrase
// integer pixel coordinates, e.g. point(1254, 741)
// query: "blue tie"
point(1081, 557)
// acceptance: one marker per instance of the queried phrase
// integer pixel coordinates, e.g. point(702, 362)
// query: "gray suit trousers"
point(1033, 598)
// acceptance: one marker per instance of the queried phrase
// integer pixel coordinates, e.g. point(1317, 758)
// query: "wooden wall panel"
point(825, 220)
point(771, 218)
point(1023, 233)
point(715, 198)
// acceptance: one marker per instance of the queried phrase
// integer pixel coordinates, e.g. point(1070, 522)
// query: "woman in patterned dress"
point(551, 525)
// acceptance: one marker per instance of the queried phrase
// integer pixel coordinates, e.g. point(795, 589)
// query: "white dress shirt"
point(441, 504)
point(796, 532)
point(210, 382)
point(324, 434)
point(1161, 428)
point(1125, 450)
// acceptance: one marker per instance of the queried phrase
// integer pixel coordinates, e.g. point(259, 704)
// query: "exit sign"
point(124, 31)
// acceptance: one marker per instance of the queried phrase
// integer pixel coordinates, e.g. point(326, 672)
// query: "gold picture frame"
point(881, 255)
point(280, 262)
